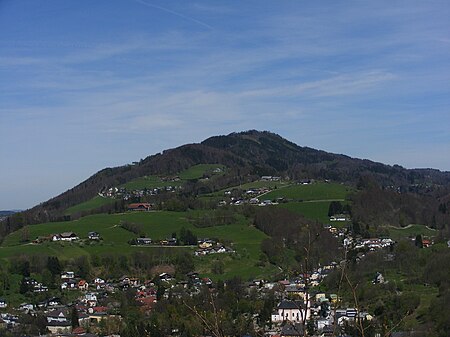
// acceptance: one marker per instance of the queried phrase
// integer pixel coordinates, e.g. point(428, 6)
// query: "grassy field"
point(197, 171)
point(245, 239)
point(94, 203)
point(149, 182)
point(315, 191)
point(410, 231)
point(310, 210)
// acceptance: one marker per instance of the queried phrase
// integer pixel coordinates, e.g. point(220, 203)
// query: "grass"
point(94, 203)
point(315, 191)
point(310, 210)
point(197, 171)
point(410, 231)
point(149, 182)
point(245, 239)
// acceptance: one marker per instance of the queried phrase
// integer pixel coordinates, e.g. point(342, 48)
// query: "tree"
point(53, 265)
point(335, 208)
point(418, 242)
point(74, 317)
point(187, 237)
point(24, 287)
point(218, 267)
point(25, 235)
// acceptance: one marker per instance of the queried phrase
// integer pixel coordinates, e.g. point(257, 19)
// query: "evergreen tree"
point(53, 265)
point(418, 242)
point(74, 317)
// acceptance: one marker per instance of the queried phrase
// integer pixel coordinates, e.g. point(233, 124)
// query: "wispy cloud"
point(178, 14)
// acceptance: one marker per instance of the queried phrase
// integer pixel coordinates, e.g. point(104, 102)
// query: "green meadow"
point(149, 182)
point(315, 191)
point(197, 171)
point(243, 238)
point(152, 181)
point(410, 231)
point(311, 210)
point(94, 203)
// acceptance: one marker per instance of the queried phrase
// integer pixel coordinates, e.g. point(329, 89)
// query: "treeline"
point(375, 205)
point(105, 265)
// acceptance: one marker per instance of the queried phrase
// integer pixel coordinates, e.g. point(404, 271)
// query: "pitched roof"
point(57, 314)
point(290, 329)
point(290, 304)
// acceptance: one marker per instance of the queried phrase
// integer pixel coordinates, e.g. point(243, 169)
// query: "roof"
point(56, 313)
point(292, 330)
point(57, 323)
point(139, 205)
point(290, 305)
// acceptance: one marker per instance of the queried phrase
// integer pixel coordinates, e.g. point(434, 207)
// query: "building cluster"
point(66, 237)
point(122, 193)
point(208, 246)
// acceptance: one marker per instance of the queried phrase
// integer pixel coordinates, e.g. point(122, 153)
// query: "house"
point(426, 243)
point(40, 288)
point(53, 302)
point(57, 316)
point(3, 304)
point(26, 307)
point(205, 244)
point(99, 283)
point(83, 285)
point(70, 285)
point(94, 236)
point(67, 275)
point(379, 279)
point(142, 206)
point(293, 311)
point(90, 297)
point(143, 241)
point(165, 277)
point(66, 236)
point(59, 327)
point(69, 236)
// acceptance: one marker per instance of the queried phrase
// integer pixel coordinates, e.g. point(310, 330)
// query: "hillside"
point(247, 155)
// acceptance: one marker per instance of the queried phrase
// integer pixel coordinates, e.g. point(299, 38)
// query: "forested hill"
point(247, 155)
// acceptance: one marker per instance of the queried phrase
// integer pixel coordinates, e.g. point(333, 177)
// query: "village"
point(299, 300)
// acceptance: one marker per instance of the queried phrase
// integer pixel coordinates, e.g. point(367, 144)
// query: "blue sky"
point(91, 84)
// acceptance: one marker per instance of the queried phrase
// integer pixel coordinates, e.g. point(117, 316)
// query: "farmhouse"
point(139, 207)
point(66, 236)
point(93, 236)
point(143, 241)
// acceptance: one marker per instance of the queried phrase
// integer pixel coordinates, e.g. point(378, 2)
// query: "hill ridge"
point(248, 154)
